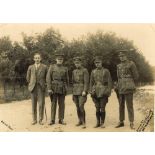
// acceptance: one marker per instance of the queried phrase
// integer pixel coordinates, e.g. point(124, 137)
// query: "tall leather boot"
point(79, 117)
point(83, 119)
point(102, 116)
point(98, 120)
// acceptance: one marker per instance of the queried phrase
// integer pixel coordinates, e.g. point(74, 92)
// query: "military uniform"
point(127, 75)
point(100, 88)
point(57, 82)
point(80, 79)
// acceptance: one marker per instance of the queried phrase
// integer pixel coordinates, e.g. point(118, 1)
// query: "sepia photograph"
point(77, 77)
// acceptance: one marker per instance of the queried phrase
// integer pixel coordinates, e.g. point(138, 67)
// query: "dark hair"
point(37, 53)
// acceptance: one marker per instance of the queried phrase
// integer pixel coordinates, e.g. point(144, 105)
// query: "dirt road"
point(17, 115)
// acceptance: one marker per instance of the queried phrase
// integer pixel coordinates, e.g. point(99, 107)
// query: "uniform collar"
point(99, 68)
point(125, 62)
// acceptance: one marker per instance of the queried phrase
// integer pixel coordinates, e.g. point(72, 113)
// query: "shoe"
point(41, 123)
point(97, 125)
point(79, 123)
point(34, 122)
point(62, 122)
point(83, 126)
point(132, 126)
point(102, 125)
point(52, 123)
point(121, 124)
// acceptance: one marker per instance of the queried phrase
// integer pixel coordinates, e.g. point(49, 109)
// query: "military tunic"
point(57, 81)
point(100, 86)
point(80, 79)
point(127, 75)
point(100, 82)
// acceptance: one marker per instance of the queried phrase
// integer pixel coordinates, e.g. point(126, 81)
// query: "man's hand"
point(83, 93)
point(50, 92)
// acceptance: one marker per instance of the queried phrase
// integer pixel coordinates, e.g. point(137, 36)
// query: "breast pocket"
point(62, 75)
point(78, 76)
point(56, 75)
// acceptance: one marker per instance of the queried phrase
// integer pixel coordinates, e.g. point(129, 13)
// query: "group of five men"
point(99, 85)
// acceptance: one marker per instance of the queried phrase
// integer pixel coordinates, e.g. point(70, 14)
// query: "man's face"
point(98, 64)
point(37, 58)
point(59, 61)
point(123, 58)
point(77, 64)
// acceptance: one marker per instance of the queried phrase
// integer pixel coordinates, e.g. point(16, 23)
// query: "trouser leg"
point(117, 94)
point(82, 101)
point(129, 103)
point(121, 107)
point(41, 102)
point(76, 101)
point(97, 105)
point(103, 102)
point(61, 102)
point(53, 106)
point(34, 104)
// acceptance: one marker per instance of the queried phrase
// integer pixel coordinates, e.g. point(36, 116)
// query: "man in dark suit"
point(36, 78)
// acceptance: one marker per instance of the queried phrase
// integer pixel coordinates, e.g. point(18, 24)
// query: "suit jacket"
point(34, 77)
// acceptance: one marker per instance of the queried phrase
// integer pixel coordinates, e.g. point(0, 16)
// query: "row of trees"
point(15, 57)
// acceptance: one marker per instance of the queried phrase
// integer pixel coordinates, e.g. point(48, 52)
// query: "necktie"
point(37, 66)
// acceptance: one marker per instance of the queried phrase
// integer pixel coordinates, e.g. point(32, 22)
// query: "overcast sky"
point(143, 35)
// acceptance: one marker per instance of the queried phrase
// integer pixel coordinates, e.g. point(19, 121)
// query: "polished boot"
point(102, 116)
point(120, 124)
point(98, 120)
point(79, 117)
point(83, 120)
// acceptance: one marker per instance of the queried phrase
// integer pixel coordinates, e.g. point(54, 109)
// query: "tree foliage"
point(105, 44)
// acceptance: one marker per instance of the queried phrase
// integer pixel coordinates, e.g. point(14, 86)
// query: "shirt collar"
point(37, 65)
